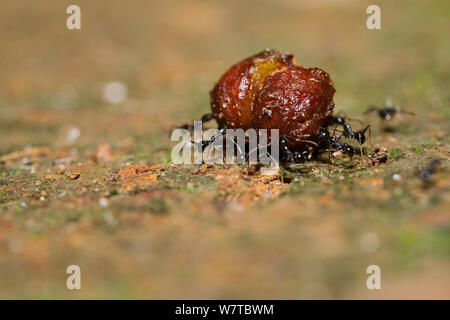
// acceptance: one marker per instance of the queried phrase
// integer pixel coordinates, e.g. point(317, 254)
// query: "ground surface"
point(87, 182)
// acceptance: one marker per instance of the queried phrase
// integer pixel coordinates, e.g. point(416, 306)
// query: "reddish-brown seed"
point(270, 91)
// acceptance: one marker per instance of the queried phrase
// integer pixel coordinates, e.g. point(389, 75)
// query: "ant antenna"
point(410, 113)
point(371, 108)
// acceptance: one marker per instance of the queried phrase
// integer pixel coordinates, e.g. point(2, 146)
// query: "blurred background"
point(170, 54)
point(135, 69)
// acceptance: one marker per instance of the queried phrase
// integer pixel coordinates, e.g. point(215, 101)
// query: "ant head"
point(360, 135)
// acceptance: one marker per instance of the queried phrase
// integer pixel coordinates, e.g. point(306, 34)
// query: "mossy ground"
point(140, 227)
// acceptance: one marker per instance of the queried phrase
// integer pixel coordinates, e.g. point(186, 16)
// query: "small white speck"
point(72, 135)
point(103, 202)
point(397, 177)
point(115, 92)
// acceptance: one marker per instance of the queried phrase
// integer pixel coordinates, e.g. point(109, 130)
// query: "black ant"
point(293, 156)
point(430, 168)
point(388, 112)
point(358, 135)
point(325, 140)
point(205, 118)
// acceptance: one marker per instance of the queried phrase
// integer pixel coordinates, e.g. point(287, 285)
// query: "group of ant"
point(326, 141)
point(330, 142)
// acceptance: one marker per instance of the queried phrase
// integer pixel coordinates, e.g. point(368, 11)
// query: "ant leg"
point(291, 156)
point(370, 136)
point(362, 154)
point(337, 120)
point(372, 109)
point(205, 118)
point(334, 144)
point(358, 135)
point(329, 143)
point(286, 153)
point(347, 129)
point(410, 113)
point(206, 143)
point(354, 119)
point(341, 120)
point(300, 157)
